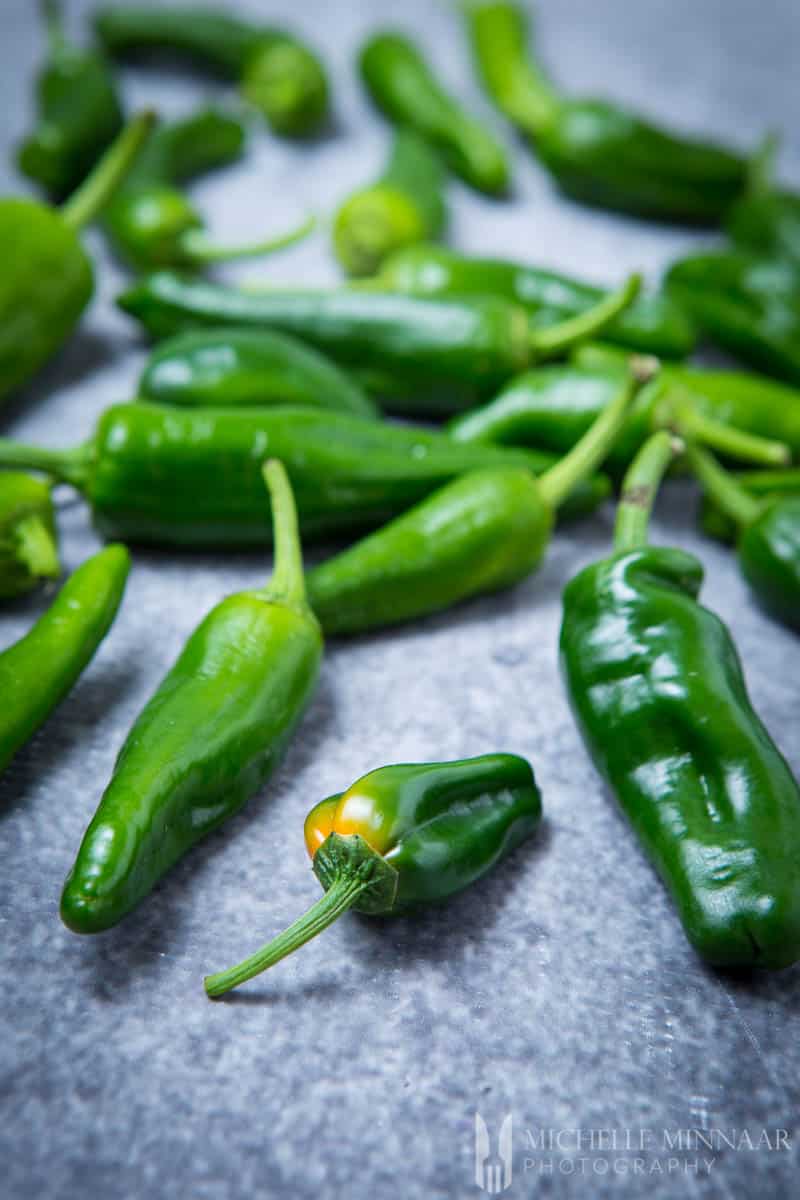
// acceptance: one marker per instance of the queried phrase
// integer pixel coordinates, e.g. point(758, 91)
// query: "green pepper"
point(401, 83)
point(760, 484)
point(404, 205)
point(765, 220)
point(598, 152)
point(151, 223)
point(485, 531)
point(657, 689)
point(420, 355)
point(78, 112)
point(191, 477)
point(28, 546)
point(38, 671)
point(749, 306)
point(404, 836)
point(651, 324)
point(47, 280)
point(248, 368)
point(276, 72)
point(210, 736)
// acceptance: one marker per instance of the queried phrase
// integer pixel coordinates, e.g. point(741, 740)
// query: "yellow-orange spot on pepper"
point(319, 823)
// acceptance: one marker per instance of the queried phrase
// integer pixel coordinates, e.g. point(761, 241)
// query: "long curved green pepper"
point(484, 531)
point(406, 204)
point(598, 152)
point(658, 693)
point(277, 73)
point(403, 836)
point(47, 277)
point(78, 112)
point(28, 543)
point(401, 83)
point(209, 738)
point(38, 671)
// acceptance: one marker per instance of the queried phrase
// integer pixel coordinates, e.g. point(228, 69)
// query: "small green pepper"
point(651, 324)
point(404, 205)
point(404, 836)
point(210, 737)
point(37, 672)
point(419, 355)
point(28, 547)
point(657, 689)
point(78, 112)
point(598, 152)
point(766, 219)
point(762, 485)
point(400, 82)
point(47, 279)
point(247, 368)
point(276, 72)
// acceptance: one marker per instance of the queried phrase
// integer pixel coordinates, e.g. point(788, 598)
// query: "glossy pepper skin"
point(276, 72)
point(246, 368)
point(406, 204)
point(38, 671)
point(651, 324)
point(28, 545)
point(404, 836)
point(191, 477)
point(78, 113)
point(657, 689)
point(598, 152)
point(400, 82)
point(419, 355)
point(207, 740)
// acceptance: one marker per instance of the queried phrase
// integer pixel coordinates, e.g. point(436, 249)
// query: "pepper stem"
point(287, 583)
point(197, 249)
point(36, 547)
point(680, 414)
point(761, 166)
point(54, 24)
point(99, 186)
point(68, 466)
point(640, 488)
point(722, 488)
point(550, 342)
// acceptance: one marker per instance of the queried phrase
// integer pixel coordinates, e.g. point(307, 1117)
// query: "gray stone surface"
point(561, 989)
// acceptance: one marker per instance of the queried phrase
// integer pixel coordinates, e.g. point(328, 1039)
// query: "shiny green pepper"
point(404, 836)
point(28, 546)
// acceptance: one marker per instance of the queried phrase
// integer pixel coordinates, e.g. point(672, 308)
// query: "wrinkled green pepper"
point(78, 112)
point(37, 672)
point(276, 72)
point(28, 545)
point(401, 83)
point(210, 737)
point(404, 836)
point(598, 152)
point(657, 689)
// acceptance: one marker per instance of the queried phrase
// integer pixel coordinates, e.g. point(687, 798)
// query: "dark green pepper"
point(247, 368)
point(656, 686)
point(400, 82)
point(37, 672)
point(420, 355)
point(210, 737)
point(28, 546)
point(276, 72)
point(47, 279)
point(759, 484)
point(766, 219)
point(651, 324)
point(78, 112)
point(404, 205)
point(191, 477)
point(598, 152)
point(404, 836)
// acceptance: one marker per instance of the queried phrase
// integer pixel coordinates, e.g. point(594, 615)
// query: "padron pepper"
point(765, 220)
point(432, 356)
point(47, 279)
point(28, 545)
point(248, 368)
point(401, 83)
point(657, 689)
point(38, 671)
point(598, 152)
point(761, 485)
point(401, 837)
point(211, 735)
point(78, 112)
point(404, 205)
point(276, 72)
